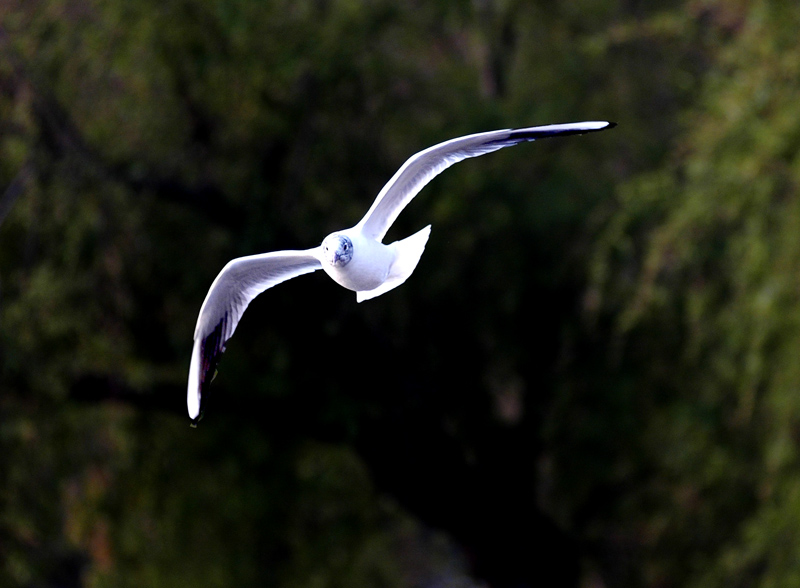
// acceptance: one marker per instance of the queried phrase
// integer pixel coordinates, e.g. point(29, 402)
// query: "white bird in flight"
point(355, 257)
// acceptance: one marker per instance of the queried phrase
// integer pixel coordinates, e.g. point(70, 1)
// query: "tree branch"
point(14, 190)
point(60, 136)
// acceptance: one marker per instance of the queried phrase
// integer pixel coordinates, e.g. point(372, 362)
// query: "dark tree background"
point(590, 381)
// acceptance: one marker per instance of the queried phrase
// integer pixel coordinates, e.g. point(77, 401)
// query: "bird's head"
point(337, 250)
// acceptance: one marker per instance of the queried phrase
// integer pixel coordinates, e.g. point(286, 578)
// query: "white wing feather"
point(237, 284)
point(426, 165)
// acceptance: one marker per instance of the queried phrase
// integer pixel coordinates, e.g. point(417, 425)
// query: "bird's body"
point(369, 265)
point(355, 258)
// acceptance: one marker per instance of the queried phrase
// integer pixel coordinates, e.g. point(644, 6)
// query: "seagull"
point(355, 258)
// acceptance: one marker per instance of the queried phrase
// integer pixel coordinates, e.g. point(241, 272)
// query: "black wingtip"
point(211, 349)
point(555, 130)
point(195, 420)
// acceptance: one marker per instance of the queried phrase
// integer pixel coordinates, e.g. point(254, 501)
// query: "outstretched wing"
point(425, 165)
point(237, 284)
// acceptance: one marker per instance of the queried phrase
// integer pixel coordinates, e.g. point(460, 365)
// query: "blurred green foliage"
point(591, 379)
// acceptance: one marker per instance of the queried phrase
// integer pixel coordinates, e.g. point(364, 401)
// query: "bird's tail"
point(408, 252)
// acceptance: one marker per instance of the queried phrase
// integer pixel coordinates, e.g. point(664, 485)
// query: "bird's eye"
point(346, 246)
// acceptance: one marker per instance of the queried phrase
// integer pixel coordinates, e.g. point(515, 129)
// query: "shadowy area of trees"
point(590, 380)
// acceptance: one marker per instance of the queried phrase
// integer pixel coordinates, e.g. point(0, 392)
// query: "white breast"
point(369, 266)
